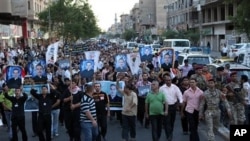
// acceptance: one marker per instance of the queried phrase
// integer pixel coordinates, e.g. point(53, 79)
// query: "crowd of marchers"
point(83, 108)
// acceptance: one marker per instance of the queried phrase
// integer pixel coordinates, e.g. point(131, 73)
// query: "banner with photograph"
point(146, 53)
point(51, 54)
point(14, 76)
point(134, 61)
point(87, 69)
point(121, 63)
point(115, 98)
point(37, 69)
point(31, 103)
point(93, 55)
point(167, 59)
point(64, 64)
point(144, 90)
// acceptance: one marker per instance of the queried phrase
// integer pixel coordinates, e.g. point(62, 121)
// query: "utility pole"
point(49, 18)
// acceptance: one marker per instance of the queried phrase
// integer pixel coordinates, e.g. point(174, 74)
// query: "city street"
point(114, 132)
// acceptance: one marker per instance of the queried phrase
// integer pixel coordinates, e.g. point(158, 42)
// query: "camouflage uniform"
point(236, 103)
point(211, 100)
point(201, 81)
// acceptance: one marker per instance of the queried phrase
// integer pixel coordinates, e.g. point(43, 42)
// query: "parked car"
point(131, 45)
point(199, 58)
point(239, 68)
point(224, 60)
point(237, 49)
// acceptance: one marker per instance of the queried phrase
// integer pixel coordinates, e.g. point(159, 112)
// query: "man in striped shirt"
point(88, 115)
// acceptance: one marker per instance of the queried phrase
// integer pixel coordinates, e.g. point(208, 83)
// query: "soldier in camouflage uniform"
point(236, 100)
point(201, 80)
point(211, 113)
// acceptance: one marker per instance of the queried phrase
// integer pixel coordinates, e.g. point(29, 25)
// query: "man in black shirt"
point(102, 110)
point(18, 117)
point(45, 108)
point(55, 113)
point(71, 101)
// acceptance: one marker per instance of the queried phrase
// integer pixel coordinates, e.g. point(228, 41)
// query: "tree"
point(129, 34)
point(71, 19)
point(242, 20)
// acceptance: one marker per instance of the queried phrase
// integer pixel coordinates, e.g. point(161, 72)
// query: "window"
point(222, 13)
point(181, 44)
point(215, 14)
point(230, 10)
point(28, 5)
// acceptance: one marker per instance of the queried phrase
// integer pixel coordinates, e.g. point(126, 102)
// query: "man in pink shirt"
point(191, 100)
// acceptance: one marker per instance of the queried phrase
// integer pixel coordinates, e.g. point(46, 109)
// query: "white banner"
point(134, 61)
point(93, 55)
point(51, 54)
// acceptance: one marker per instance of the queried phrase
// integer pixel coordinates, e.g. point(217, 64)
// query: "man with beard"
point(141, 100)
point(102, 110)
point(71, 99)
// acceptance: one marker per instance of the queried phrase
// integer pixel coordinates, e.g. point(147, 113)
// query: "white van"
point(177, 44)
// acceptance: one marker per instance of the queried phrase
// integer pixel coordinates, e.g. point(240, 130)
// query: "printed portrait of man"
point(39, 76)
point(87, 69)
point(113, 97)
point(167, 59)
point(14, 80)
point(146, 54)
point(121, 65)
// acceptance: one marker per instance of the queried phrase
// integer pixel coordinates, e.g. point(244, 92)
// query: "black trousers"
point(102, 126)
point(18, 121)
point(141, 112)
point(156, 123)
point(72, 124)
point(184, 122)
point(193, 120)
point(44, 123)
point(34, 118)
point(169, 121)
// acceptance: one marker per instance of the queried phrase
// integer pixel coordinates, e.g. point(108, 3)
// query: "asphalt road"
point(114, 132)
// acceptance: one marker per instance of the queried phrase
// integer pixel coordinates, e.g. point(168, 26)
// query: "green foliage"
point(71, 19)
point(129, 34)
point(192, 35)
point(242, 20)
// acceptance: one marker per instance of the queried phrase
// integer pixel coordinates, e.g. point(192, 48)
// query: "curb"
point(224, 132)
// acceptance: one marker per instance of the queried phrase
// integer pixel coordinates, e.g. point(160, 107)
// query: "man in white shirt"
point(173, 95)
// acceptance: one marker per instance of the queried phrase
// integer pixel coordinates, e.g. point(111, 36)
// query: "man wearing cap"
point(7, 106)
point(201, 80)
point(236, 98)
point(211, 114)
point(221, 78)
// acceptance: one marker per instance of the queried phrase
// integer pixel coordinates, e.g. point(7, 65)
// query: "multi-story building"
point(210, 17)
point(20, 21)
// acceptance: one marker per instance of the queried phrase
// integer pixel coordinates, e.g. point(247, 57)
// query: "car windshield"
point(131, 44)
point(198, 59)
point(181, 44)
point(237, 46)
point(156, 46)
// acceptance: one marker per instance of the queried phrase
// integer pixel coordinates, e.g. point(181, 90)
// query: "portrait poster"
point(37, 69)
point(115, 97)
point(134, 61)
point(14, 76)
point(52, 52)
point(93, 55)
point(146, 53)
point(64, 64)
point(31, 103)
point(87, 69)
point(144, 90)
point(167, 58)
point(121, 63)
